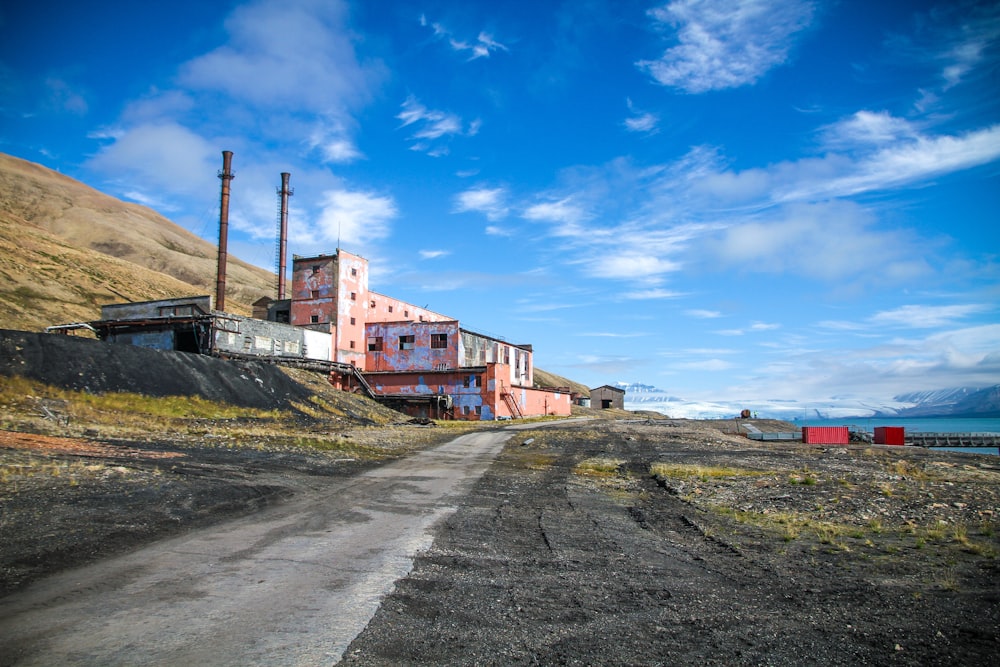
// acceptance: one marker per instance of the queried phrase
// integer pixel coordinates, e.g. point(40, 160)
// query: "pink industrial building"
point(419, 361)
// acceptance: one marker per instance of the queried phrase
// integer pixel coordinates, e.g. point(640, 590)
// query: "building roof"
point(608, 386)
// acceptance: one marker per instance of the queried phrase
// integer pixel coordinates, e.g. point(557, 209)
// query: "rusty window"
point(314, 319)
point(374, 343)
point(465, 409)
point(406, 342)
point(352, 344)
point(439, 341)
point(315, 268)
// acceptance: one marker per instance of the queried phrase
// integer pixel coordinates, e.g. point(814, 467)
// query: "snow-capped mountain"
point(958, 401)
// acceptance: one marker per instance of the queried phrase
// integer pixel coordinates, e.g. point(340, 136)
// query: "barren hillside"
point(56, 238)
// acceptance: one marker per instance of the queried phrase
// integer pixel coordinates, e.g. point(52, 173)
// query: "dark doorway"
point(186, 341)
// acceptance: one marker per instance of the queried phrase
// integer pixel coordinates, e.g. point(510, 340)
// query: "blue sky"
point(731, 200)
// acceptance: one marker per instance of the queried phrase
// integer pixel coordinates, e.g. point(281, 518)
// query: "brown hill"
point(66, 249)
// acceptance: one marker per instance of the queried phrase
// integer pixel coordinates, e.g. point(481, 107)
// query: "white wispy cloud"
point(431, 125)
point(725, 43)
point(354, 217)
point(481, 46)
point(167, 157)
point(433, 254)
point(703, 314)
point(709, 365)
point(653, 293)
point(488, 201)
point(641, 121)
point(866, 128)
point(334, 143)
point(295, 55)
point(566, 213)
point(928, 317)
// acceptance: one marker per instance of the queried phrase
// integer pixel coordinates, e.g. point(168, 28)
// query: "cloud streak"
point(724, 43)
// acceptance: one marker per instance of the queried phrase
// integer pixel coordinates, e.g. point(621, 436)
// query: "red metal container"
point(890, 435)
point(825, 435)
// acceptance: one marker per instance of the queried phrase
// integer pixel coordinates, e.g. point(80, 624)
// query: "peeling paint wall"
point(477, 350)
point(352, 295)
point(464, 387)
point(412, 346)
point(314, 296)
point(244, 335)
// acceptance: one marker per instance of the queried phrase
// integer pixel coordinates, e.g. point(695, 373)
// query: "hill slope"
point(57, 234)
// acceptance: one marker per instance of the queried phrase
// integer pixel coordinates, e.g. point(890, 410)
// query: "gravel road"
point(292, 585)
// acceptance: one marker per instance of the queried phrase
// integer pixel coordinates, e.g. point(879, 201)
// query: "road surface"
point(290, 586)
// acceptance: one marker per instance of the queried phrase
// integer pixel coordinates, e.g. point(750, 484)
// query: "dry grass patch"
point(703, 473)
point(598, 467)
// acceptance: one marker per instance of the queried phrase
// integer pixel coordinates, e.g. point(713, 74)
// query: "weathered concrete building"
point(607, 397)
point(421, 362)
point(433, 369)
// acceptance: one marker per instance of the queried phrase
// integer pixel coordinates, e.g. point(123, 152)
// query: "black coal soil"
point(545, 565)
point(97, 367)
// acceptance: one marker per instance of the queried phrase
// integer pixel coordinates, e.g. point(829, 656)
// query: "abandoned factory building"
point(418, 361)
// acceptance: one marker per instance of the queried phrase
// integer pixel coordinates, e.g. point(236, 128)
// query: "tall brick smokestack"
point(285, 192)
point(226, 175)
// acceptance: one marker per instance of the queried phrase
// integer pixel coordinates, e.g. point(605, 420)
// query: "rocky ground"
point(669, 542)
point(672, 543)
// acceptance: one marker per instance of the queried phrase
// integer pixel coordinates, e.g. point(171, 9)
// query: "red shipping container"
point(890, 435)
point(825, 435)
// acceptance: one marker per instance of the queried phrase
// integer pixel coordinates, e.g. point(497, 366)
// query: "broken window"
point(315, 294)
point(353, 321)
point(374, 343)
point(354, 296)
point(314, 319)
point(354, 272)
point(315, 268)
point(390, 309)
point(406, 342)
point(371, 304)
point(439, 341)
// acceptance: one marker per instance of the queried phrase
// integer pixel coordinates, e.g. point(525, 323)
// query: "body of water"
point(920, 425)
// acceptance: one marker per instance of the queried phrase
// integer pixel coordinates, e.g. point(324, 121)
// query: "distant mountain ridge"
point(948, 402)
point(954, 402)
